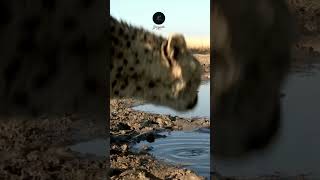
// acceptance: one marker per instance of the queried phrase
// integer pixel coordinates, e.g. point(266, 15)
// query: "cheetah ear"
point(176, 46)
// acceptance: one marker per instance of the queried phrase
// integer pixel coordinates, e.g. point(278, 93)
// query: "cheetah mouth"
point(191, 94)
point(193, 103)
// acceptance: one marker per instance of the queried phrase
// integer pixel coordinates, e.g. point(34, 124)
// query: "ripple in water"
point(188, 149)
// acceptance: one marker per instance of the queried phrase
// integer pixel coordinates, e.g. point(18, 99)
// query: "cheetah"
point(53, 61)
point(251, 42)
point(149, 67)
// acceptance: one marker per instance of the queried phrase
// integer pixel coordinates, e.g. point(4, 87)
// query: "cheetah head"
point(175, 76)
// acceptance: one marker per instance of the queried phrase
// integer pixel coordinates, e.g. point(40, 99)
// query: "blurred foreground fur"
point(252, 39)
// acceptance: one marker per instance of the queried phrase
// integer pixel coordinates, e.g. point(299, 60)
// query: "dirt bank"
point(38, 149)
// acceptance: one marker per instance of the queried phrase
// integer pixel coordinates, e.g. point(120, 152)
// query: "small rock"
point(146, 123)
point(150, 137)
point(146, 148)
point(172, 118)
point(160, 122)
point(123, 126)
point(124, 147)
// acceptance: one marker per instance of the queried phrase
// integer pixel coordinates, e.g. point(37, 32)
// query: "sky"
point(189, 17)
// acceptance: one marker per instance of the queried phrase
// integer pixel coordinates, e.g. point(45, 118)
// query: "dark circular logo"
point(158, 18)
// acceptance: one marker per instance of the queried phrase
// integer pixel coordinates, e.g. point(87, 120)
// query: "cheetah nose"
point(193, 103)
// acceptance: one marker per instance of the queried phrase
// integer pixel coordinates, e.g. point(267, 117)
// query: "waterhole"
point(190, 150)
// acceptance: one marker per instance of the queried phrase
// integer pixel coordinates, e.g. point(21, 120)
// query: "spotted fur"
point(52, 57)
point(53, 60)
point(150, 67)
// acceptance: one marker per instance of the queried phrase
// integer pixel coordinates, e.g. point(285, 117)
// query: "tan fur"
point(166, 73)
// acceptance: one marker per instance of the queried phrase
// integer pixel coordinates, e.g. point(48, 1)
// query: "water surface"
point(296, 150)
point(96, 147)
point(188, 149)
point(202, 109)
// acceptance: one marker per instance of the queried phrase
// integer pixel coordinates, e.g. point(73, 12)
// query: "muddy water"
point(296, 150)
point(202, 109)
point(186, 149)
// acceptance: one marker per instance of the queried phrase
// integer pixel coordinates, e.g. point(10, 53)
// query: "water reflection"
point(96, 147)
point(189, 149)
point(202, 109)
point(296, 150)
